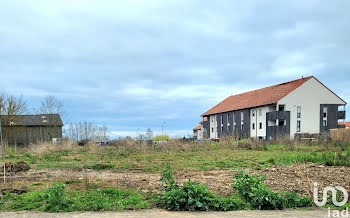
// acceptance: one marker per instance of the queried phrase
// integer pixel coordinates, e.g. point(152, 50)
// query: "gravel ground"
point(154, 213)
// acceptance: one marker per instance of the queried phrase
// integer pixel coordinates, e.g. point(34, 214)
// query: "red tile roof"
point(259, 97)
point(198, 127)
point(347, 124)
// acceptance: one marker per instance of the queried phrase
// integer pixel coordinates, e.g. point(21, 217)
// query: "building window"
point(253, 113)
point(325, 123)
point(260, 125)
point(325, 111)
point(298, 126)
point(212, 129)
point(281, 122)
point(228, 128)
point(253, 125)
point(260, 112)
point(242, 126)
point(298, 112)
point(222, 128)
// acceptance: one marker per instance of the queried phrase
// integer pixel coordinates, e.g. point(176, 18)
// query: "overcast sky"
point(131, 65)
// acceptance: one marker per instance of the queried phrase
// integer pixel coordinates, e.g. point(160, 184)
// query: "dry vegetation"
point(129, 164)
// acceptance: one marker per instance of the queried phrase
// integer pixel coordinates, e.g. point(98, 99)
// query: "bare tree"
point(11, 106)
point(52, 105)
point(103, 132)
point(2, 103)
point(85, 131)
point(149, 134)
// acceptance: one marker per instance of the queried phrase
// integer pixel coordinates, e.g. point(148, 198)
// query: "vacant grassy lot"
point(183, 156)
point(133, 169)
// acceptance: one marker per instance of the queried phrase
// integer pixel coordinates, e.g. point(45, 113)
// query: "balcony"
point(277, 129)
point(278, 115)
point(341, 115)
point(341, 126)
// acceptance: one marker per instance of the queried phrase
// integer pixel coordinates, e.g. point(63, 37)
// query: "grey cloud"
point(131, 64)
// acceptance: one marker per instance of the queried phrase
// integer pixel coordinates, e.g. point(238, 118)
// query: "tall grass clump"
point(260, 197)
point(193, 196)
point(251, 193)
point(58, 199)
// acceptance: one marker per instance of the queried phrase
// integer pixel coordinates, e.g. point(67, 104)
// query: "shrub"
point(56, 200)
point(100, 166)
point(161, 138)
point(293, 201)
point(259, 196)
point(168, 178)
point(193, 196)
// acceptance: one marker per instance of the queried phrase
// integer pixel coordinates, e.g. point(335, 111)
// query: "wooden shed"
point(30, 129)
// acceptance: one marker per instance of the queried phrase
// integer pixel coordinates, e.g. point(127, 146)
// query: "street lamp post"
point(163, 128)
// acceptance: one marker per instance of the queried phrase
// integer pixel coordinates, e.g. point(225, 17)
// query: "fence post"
point(3, 152)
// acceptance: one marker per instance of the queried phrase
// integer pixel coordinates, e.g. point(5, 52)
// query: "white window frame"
point(298, 126)
point(298, 111)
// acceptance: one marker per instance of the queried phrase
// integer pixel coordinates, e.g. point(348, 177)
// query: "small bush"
point(100, 166)
point(168, 178)
point(56, 199)
point(252, 189)
point(294, 201)
point(259, 196)
point(193, 196)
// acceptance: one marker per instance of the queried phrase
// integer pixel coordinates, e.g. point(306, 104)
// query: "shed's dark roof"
point(33, 120)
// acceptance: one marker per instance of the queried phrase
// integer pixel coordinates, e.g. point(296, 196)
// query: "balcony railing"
point(341, 126)
point(277, 115)
point(277, 131)
point(341, 115)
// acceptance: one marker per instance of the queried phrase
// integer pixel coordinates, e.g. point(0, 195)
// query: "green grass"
point(57, 199)
point(195, 157)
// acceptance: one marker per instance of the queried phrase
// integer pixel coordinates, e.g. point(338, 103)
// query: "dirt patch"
point(298, 178)
point(20, 166)
point(14, 190)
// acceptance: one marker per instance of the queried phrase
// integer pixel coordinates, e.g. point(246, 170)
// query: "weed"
point(168, 179)
point(67, 182)
point(260, 197)
point(56, 199)
point(193, 196)
point(100, 166)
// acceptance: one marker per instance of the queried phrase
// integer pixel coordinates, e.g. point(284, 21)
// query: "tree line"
point(11, 106)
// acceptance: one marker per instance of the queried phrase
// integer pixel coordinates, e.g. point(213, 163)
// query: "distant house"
point(101, 141)
point(290, 109)
point(31, 129)
point(344, 124)
point(198, 130)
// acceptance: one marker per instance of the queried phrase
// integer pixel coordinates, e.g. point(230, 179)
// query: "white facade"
point(258, 121)
point(200, 134)
point(213, 126)
point(308, 97)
